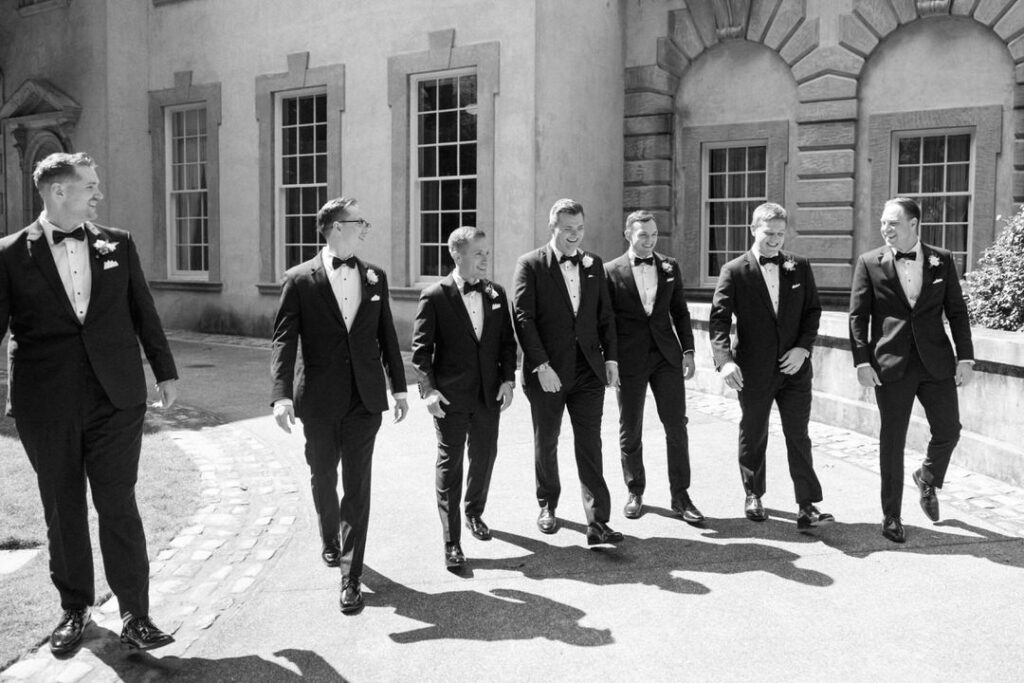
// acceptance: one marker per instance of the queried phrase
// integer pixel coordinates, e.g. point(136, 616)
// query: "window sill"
point(269, 288)
point(407, 293)
point(186, 285)
point(43, 6)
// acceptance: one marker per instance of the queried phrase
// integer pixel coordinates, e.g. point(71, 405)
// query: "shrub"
point(995, 289)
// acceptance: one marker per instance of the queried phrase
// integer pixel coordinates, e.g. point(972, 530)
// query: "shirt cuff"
point(398, 396)
point(688, 351)
point(863, 365)
point(612, 362)
point(283, 402)
point(970, 361)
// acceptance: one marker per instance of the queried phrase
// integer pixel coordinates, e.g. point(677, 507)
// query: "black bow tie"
point(339, 262)
point(477, 287)
point(574, 259)
point(637, 261)
point(909, 255)
point(76, 234)
point(777, 259)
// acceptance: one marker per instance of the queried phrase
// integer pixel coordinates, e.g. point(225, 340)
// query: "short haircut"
point(332, 211)
point(768, 211)
point(910, 207)
point(58, 167)
point(569, 206)
point(461, 237)
point(638, 217)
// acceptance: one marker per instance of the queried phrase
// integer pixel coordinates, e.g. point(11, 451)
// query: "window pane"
point(290, 170)
point(320, 163)
point(447, 160)
point(907, 181)
point(738, 159)
point(430, 264)
point(430, 230)
point(306, 170)
point(306, 110)
point(428, 162)
point(932, 234)
point(910, 151)
point(934, 149)
point(716, 161)
point(448, 126)
point(718, 213)
point(467, 126)
point(956, 209)
point(931, 209)
point(289, 141)
point(469, 218)
point(757, 158)
point(467, 91)
point(931, 178)
point(736, 185)
point(468, 194)
point(958, 148)
point(449, 222)
point(756, 185)
point(447, 264)
point(446, 95)
point(289, 109)
point(428, 96)
point(715, 263)
point(450, 195)
point(467, 159)
point(320, 135)
point(956, 177)
point(428, 129)
point(737, 213)
point(320, 109)
point(717, 187)
point(430, 195)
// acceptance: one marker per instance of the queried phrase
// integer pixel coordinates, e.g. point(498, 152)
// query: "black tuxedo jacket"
point(668, 327)
point(547, 329)
point(334, 357)
point(448, 356)
point(49, 345)
point(762, 337)
point(883, 325)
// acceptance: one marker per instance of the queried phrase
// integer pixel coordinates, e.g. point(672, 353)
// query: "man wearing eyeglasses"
point(338, 307)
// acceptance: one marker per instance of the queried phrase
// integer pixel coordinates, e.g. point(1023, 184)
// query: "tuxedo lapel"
point(95, 266)
point(927, 272)
point(664, 292)
point(754, 272)
point(323, 285)
point(625, 269)
point(888, 265)
point(451, 290)
point(43, 258)
point(786, 281)
point(555, 271)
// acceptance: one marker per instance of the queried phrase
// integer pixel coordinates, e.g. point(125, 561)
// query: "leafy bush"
point(995, 289)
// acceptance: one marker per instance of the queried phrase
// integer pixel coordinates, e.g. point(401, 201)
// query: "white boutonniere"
point(934, 261)
point(587, 261)
point(371, 276)
point(667, 267)
point(789, 264)
point(491, 291)
point(103, 247)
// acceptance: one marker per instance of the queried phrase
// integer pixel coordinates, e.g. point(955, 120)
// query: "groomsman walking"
point(337, 307)
point(464, 352)
point(901, 292)
point(775, 302)
point(566, 329)
point(655, 343)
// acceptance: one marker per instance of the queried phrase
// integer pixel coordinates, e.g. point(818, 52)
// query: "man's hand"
point(284, 414)
point(168, 390)
point(689, 366)
point(505, 395)
point(435, 399)
point(401, 409)
point(548, 379)
point(793, 360)
point(964, 373)
point(732, 375)
point(611, 371)
point(867, 376)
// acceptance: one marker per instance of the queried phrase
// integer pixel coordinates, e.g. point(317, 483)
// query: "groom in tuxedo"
point(566, 328)
point(337, 307)
point(655, 339)
point(900, 293)
point(464, 352)
point(775, 302)
point(75, 299)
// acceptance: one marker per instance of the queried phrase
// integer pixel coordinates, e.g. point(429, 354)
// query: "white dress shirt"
point(646, 278)
point(348, 290)
point(910, 273)
point(72, 259)
point(571, 275)
point(770, 273)
point(474, 304)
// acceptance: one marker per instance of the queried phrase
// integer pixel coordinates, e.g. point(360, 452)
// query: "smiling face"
point(899, 231)
point(568, 233)
point(77, 198)
point(471, 260)
point(642, 237)
point(348, 231)
point(769, 236)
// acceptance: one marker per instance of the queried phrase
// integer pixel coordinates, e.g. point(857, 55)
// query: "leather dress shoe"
point(685, 508)
point(453, 557)
point(809, 517)
point(753, 509)
point(929, 500)
point(634, 506)
point(599, 533)
point(546, 521)
point(66, 638)
point(351, 601)
point(331, 555)
point(477, 527)
point(140, 633)
point(892, 528)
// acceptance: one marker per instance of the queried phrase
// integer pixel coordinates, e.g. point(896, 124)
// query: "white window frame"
point(173, 272)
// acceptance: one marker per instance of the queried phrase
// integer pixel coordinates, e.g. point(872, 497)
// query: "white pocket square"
point(495, 307)
point(671, 279)
point(375, 297)
point(107, 265)
point(935, 282)
point(795, 286)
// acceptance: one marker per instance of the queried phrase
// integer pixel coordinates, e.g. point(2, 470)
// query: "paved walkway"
point(242, 589)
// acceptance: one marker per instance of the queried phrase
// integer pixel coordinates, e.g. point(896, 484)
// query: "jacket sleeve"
point(956, 313)
point(720, 318)
point(387, 337)
point(524, 306)
point(423, 331)
point(285, 342)
point(862, 301)
point(146, 320)
point(606, 321)
point(680, 311)
point(508, 351)
point(810, 317)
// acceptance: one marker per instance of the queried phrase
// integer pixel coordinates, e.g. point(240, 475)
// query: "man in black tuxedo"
point(75, 299)
point(338, 308)
point(566, 328)
point(655, 341)
point(775, 301)
point(464, 352)
point(899, 296)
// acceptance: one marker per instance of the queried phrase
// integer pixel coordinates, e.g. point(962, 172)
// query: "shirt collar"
point(328, 257)
point(459, 280)
point(558, 254)
point(631, 255)
point(915, 250)
point(49, 227)
point(757, 256)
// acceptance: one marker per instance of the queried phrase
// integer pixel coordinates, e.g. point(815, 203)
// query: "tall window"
point(300, 174)
point(188, 219)
point(935, 170)
point(444, 184)
point(734, 184)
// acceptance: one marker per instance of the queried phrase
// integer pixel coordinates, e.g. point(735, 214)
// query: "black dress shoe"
point(546, 521)
point(351, 601)
point(685, 508)
point(753, 509)
point(140, 633)
point(929, 500)
point(66, 638)
point(454, 560)
point(892, 528)
point(477, 527)
point(809, 517)
point(634, 506)
point(331, 555)
point(598, 534)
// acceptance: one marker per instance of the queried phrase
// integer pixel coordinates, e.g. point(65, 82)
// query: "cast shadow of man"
point(502, 614)
point(649, 561)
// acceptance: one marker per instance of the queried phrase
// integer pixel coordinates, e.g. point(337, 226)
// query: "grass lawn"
point(167, 492)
